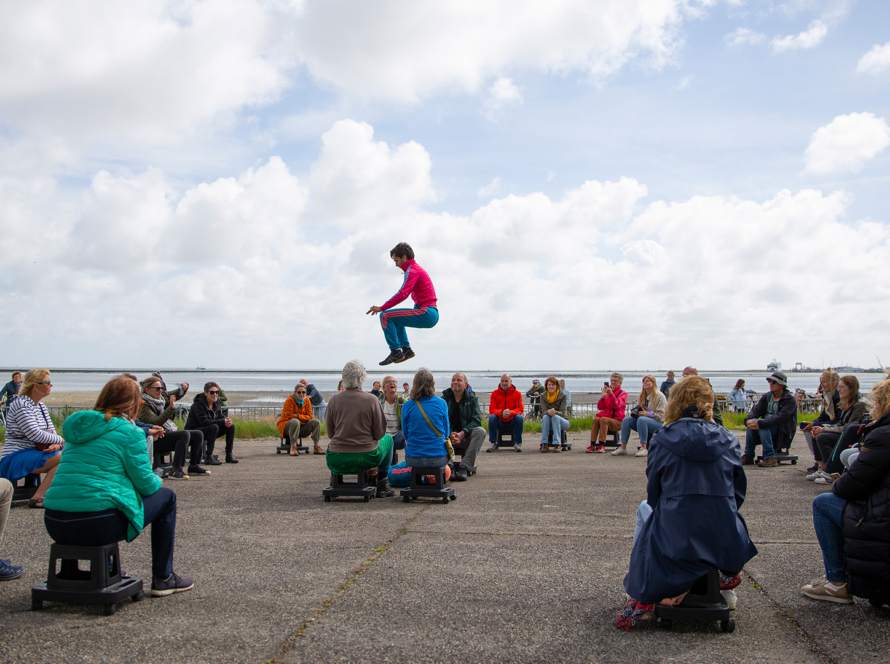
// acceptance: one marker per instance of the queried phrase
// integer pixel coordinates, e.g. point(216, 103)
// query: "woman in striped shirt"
point(32, 444)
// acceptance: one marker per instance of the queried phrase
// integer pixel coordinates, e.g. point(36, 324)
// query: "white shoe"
point(825, 478)
point(642, 452)
point(814, 476)
point(621, 451)
point(732, 601)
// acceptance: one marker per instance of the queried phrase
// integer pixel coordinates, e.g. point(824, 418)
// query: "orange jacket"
point(292, 410)
point(510, 400)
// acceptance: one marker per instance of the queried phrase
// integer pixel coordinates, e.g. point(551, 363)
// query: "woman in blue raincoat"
point(689, 522)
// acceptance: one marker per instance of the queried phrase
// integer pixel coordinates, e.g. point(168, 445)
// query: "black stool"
point(27, 488)
point(703, 602)
point(505, 439)
point(102, 583)
point(564, 439)
point(284, 445)
point(783, 454)
point(437, 489)
point(360, 488)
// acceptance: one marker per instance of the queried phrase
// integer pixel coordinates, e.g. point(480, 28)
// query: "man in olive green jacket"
point(465, 420)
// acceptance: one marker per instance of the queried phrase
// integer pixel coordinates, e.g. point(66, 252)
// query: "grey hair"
point(424, 384)
point(354, 375)
point(619, 376)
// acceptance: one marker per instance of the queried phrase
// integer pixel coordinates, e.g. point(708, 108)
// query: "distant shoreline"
point(513, 372)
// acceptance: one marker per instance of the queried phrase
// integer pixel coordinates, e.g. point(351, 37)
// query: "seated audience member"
point(169, 439)
point(296, 420)
point(611, 405)
point(829, 390)
point(506, 411)
point(357, 431)
point(340, 387)
point(178, 392)
point(771, 422)
point(391, 402)
point(206, 416)
point(851, 519)
point(718, 415)
point(647, 419)
point(464, 424)
point(738, 397)
point(534, 397)
point(11, 389)
point(8, 571)
point(554, 414)
point(406, 391)
point(376, 389)
point(562, 388)
point(315, 398)
point(827, 444)
point(104, 490)
point(690, 521)
point(32, 444)
point(425, 424)
point(666, 385)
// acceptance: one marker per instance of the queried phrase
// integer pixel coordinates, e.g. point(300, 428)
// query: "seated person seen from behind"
point(296, 420)
point(851, 519)
point(646, 417)
point(392, 402)
point(425, 424)
point(156, 412)
point(554, 414)
point(105, 491)
point(771, 422)
point(830, 393)
point(829, 439)
point(690, 521)
point(464, 424)
point(611, 407)
point(357, 431)
point(32, 445)
point(206, 416)
point(506, 411)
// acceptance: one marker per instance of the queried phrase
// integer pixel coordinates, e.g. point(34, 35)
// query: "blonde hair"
point(830, 379)
point(32, 378)
point(880, 399)
point(643, 395)
point(691, 391)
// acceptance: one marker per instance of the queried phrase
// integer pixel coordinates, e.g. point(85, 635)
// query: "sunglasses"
point(156, 387)
point(300, 393)
point(45, 383)
point(213, 392)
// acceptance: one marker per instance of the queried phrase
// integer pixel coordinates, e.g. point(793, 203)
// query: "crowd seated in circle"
point(646, 417)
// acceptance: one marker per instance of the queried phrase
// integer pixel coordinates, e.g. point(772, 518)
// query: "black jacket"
point(201, 416)
point(785, 419)
point(866, 521)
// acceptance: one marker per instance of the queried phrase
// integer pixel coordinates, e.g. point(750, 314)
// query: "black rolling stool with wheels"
point(703, 602)
point(284, 446)
point(437, 490)
point(783, 454)
point(564, 440)
point(27, 488)
point(358, 489)
point(505, 439)
point(101, 584)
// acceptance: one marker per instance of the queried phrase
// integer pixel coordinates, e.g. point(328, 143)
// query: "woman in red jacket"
point(611, 412)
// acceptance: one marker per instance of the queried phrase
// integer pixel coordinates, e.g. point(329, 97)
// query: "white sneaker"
point(814, 476)
point(642, 452)
point(732, 601)
point(621, 451)
point(825, 478)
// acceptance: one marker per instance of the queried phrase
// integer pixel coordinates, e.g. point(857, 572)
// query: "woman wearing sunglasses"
point(206, 416)
point(158, 413)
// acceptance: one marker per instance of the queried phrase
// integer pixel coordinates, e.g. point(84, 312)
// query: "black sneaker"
point(813, 468)
point(231, 459)
point(198, 470)
point(8, 571)
point(407, 354)
point(177, 474)
point(384, 490)
point(211, 460)
point(172, 584)
point(470, 470)
point(395, 355)
point(459, 474)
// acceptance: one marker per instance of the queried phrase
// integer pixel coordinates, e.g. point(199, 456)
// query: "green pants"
point(350, 463)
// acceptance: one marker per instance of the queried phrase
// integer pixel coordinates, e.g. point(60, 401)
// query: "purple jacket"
point(417, 284)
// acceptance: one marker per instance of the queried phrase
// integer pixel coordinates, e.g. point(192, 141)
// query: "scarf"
point(299, 401)
point(157, 405)
point(552, 397)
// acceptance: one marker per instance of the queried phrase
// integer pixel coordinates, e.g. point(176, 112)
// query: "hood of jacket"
point(201, 399)
point(696, 440)
point(85, 426)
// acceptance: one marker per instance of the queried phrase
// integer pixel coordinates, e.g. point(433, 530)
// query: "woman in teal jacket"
point(105, 491)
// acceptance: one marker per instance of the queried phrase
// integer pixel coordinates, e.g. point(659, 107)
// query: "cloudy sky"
point(590, 183)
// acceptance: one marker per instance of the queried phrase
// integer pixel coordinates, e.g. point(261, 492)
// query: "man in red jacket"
point(506, 413)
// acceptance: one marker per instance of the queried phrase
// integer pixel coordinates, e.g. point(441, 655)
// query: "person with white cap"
point(771, 422)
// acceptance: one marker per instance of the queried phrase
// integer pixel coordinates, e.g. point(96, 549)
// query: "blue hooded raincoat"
point(696, 486)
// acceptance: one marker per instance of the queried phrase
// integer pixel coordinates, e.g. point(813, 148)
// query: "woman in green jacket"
point(104, 490)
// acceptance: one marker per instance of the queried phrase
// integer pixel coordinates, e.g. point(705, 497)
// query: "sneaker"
point(407, 354)
point(198, 470)
point(544, 447)
point(518, 448)
point(747, 460)
point(491, 448)
point(172, 584)
point(231, 459)
point(825, 478)
point(211, 460)
point(469, 470)
point(395, 355)
point(814, 475)
point(621, 451)
point(732, 600)
point(459, 474)
point(642, 453)
point(557, 448)
point(177, 474)
point(8, 571)
point(592, 448)
point(828, 591)
point(813, 468)
point(768, 463)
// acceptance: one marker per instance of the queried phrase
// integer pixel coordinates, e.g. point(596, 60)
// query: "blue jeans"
point(557, 423)
point(642, 425)
point(828, 510)
point(394, 322)
point(643, 514)
point(764, 437)
point(426, 462)
point(496, 424)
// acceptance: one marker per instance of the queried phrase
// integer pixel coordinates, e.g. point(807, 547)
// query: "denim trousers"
point(642, 425)
point(558, 424)
point(764, 437)
point(394, 322)
point(828, 511)
point(513, 426)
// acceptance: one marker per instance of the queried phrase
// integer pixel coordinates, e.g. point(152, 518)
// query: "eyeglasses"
point(390, 382)
point(213, 392)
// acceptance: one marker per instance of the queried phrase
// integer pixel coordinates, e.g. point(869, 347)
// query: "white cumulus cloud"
point(503, 94)
point(876, 61)
point(743, 36)
point(847, 142)
point(809, 38)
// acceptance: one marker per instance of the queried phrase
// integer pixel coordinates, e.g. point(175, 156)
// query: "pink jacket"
point(417, 284)
point(613, 405)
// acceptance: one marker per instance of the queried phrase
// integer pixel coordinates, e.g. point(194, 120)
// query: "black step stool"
point(101, 584)
point(284, 446)
point(566, 445)
point(25, 488)
point(703, 602)
point(505, 439)
point(437, 489)
point(358, 489)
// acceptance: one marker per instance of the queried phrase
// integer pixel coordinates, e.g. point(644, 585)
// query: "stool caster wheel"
point(728, 626)
point(667, 624)
point(277, 451)
point(406, 499)
point(453, 497)
point(110, 609)
point(413, 497)
point(793, 462)
point(367, 499)
point(138, 596)
point(445, 500)
point(36, 604)
point(327, 499)
point(876, 603)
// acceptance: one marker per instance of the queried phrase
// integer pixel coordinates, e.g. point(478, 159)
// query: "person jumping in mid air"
point(419, 286)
